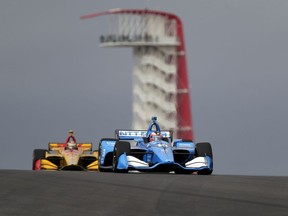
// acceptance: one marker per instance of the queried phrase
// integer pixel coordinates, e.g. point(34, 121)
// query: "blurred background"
point(55, 77)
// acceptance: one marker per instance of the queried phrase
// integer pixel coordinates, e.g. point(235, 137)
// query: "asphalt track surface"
point(94, 193)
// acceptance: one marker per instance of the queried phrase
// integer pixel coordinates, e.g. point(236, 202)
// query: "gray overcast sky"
point(55, 77)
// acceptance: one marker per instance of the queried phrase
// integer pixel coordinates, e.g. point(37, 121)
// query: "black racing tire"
point(99, 154)
point(184, 172)
point(120, 148)
point(37, 155)
point(204, 149)
point(204, 172)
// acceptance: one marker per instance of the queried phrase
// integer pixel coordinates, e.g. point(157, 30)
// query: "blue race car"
point(155, 151)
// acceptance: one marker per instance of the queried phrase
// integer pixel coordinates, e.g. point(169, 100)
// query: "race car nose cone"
point(169, 161)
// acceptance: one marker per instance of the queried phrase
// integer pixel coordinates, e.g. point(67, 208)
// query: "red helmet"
point(155, 136)
point(152, 136)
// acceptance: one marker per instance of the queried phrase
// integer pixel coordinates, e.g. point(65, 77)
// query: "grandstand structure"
point(160, 77)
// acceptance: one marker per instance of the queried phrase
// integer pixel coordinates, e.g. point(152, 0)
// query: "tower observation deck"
point(160, 79)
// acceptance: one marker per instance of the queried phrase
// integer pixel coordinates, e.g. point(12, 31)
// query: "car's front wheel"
point(120, 148)
point(202, 150)
point(38, 154)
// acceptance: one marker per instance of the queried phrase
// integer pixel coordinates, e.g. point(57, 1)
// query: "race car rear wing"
point(57, 146)
point(132, 134)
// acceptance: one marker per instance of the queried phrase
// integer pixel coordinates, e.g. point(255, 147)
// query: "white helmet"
point(71, 145)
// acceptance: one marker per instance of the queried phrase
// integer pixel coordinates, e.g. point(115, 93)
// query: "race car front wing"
point(132, 163)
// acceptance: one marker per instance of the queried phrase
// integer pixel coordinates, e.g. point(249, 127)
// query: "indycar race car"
point(154, 150)
point(66, 156)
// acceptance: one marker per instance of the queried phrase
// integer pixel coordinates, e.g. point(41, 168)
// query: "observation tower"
point(160, 79)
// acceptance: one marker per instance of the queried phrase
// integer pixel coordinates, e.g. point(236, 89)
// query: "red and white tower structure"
point(160, 78)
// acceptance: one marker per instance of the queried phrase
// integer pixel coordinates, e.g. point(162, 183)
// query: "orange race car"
point(66, 156)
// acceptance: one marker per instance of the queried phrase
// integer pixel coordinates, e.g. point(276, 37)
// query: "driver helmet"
point(72, 145)
point(155, 136)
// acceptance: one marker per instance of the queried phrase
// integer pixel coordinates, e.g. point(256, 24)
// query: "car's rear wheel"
point(38, 154)
point(100, 149)
point(119, 149)
point(202, 150)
